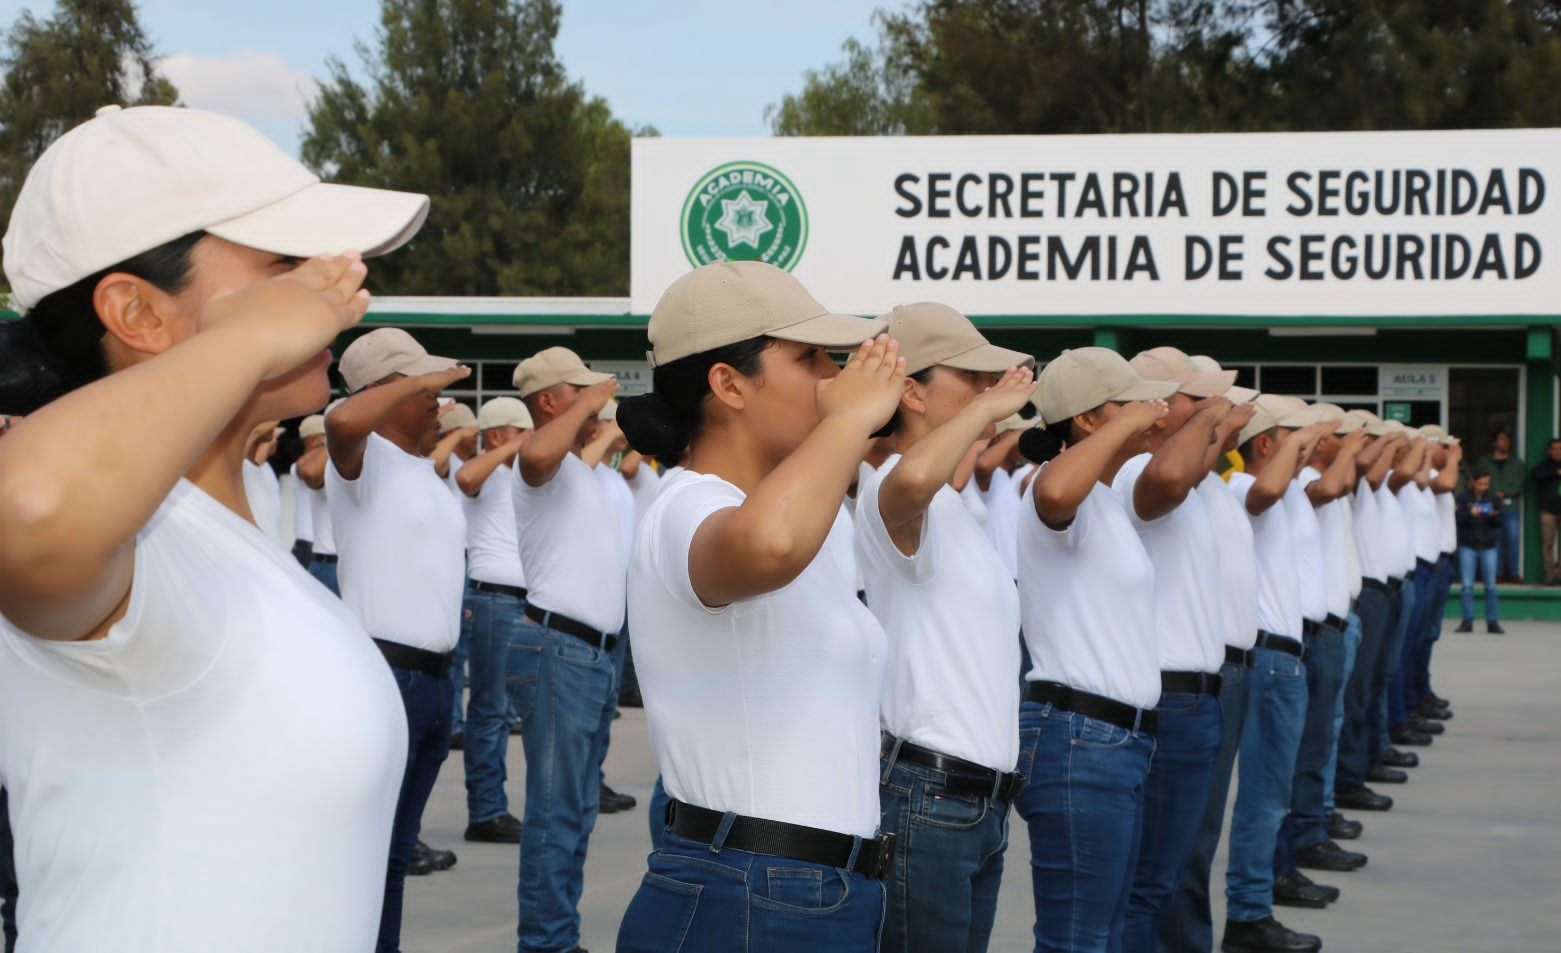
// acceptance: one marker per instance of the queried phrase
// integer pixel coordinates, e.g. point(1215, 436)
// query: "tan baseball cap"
point(312, 426)
point(504, 412)
point(554, 366)
point(1081, 379)
point(1347, 424)
point(1433, 432)
point(1016, 422)
point(129, 180)
point(609, 411)
point(1237, 394)
point(933, 334)
point(456, 416)
point(1267, 409)
point(1172, 364)
point(726, 302)
point(1204, 362)
point(1289, 412)
point(383, 352)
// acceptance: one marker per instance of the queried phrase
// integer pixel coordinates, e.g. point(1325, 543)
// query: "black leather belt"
point(568, 626)
point(1281, 643)
point(1235, 656)
point(499, 589)
point(1310, 628)
point(963, 777)
point(1335, 622)
point(780, 839)
point(324, 557)
point(1190, 683)
point(436, 664)
point(1375, 585)
point(1090, 705)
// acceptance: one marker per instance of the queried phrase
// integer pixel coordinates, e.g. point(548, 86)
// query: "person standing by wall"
point(1480, 530)
point(1547, 492)
point(1507, 474)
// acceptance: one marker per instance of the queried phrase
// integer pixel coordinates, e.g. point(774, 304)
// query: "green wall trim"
point(1538, 346)
point(1517, 602)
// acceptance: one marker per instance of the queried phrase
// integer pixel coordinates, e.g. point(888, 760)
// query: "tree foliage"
point(1097, 66)
point(466, 100)
point(58, 72)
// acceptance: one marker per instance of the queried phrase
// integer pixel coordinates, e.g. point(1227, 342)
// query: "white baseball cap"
point(455, 416)
point(1171, 364)
point(312, 426)
point(129, 180)
point(504, 412)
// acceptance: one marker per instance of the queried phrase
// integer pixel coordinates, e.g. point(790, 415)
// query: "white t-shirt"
point(1310, 558)
point(571, 543)
point(1086, 595)
point(492, 554)
point(1237, 562)
point(303, 513)
point(1187, 584)
point(1374, 560)
point(1278, 576)
point(1332, 519)
point(1002, 518)
point(162, 779)
point(622, 497)
point(1396, 533)
point(265, 500)
point(320, 517)
point(402, 543)
point(645, 485)
point(1447, 521)
point(839, 553)
point(1426, 523)
point(1353, 571)
point(951, 614)
point(971, 495)
point(769, 706)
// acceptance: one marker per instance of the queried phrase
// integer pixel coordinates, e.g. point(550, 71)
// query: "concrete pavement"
point(1468, 861)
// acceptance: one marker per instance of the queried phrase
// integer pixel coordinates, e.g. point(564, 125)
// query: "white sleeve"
point(875, 546)
point(1126, 482)
point(681, 516)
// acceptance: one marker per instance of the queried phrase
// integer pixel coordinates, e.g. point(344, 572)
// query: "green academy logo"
point(744, 211)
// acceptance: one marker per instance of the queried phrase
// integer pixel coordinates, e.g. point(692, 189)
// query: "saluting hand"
point(868, 388)
point(1143, 414)
point(595, 397)
point(437, 381)
point(1006, 397)
point(298, 314)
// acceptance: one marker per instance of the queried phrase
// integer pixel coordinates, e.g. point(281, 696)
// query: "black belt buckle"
point(883, 856)
point(1012, 784)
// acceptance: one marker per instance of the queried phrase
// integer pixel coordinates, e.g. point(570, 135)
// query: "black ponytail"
point(58, 346)
point(662, 423)
point(1040, 444)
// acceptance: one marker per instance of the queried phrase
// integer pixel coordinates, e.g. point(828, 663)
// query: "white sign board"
point(1300, 224)
point(633, 376)
point(1411, 382)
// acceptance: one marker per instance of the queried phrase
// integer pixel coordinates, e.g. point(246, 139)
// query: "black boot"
point(1266, 936)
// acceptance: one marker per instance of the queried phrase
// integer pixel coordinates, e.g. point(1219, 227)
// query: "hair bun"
point(652, 426)
point(1040, 444)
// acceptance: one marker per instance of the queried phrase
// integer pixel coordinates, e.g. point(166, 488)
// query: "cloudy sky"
point(687, 67)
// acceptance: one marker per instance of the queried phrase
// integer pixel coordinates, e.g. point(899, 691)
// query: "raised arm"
point(1339, 479)
point(765, 543)
point(994, 455)
point(68, 522)
point(1271, 483)
point(1180, 463)
point(1447, 478)
point(475, 472)
point(1070, 477)
point(445, 449)
point(311, 467)
point(347, 428)
point(550, 443)
point(1232, 423)
point(929, 465)
point(1406, 468)
point(1387, 450)
point(608, 440)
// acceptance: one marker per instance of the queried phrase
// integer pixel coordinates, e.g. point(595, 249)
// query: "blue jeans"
point(326, 573)
point(1307, 822)
point(1358, 734)
point(459, 659)
point(1186, 920)
point(1441, 583)
point(7, 877)
point(948, 862)
point(427, 703)
point(1276, 709)
point(1387, 665)
point(1187, 745)
point(658, 815)
point(1414, 633)
point(1486, 558)
point(710, 897)
point(1084, 805)
point(1511, 537)
point(620, 662)
point(492, 624)
point(560, 686)
point(303, 551)
point(1352, 640)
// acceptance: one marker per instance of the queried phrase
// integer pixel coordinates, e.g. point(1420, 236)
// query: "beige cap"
point(456, 416)
point(1016, 422)
point(1172, 364)
point(1265, 417)
point(311, 426)
point(609, 411)
point(129, 180)
point(726, 302)
point(1397, 427)
point(1204, 362)
point(932, 334)
point(1347, 424)
point(554, 366)
point(1375, 426)
point(1433, 432)
point(1081, 379)
point(504, 412)
point(1237, 394)
point(383, 352)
